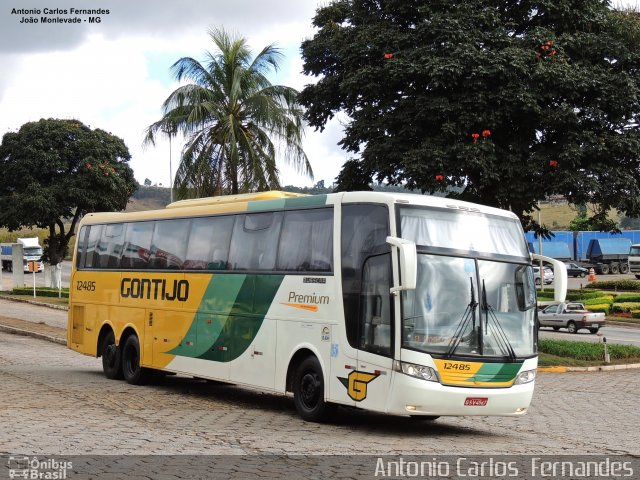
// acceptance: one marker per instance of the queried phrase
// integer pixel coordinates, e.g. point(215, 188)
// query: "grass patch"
point(587, 351)
point(40, 292)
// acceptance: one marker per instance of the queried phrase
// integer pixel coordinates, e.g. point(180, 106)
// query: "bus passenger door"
point(375, 354)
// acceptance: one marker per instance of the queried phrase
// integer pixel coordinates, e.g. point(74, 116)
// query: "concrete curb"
point(31, 302)
point(29, 333)
point(597, 368)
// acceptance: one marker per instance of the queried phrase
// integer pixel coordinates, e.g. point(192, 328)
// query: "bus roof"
point(275, 200)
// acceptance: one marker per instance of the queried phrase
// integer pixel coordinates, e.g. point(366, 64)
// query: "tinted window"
point(255, 241)
point(306, 242)
point(137, 245)
point(169, 244)
point(208, 247)
point(110, 246)
point(92, 254)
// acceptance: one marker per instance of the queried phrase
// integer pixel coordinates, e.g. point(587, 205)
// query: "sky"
point(115, 74)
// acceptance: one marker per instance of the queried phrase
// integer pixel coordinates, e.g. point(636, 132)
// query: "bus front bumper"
point(413, 396)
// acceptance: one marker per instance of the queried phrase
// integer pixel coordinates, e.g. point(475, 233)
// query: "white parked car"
point(548, 275)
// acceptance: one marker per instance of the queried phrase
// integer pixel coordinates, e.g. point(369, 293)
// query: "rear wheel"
point(583, 274)
point(131, 369)
point(111, 360)
point(308, 391)
point(571, 327)
point(615, 268)
point(637, 276)
point(604, 269)
point(556, 328)
point(537, 281)
point(594, 330)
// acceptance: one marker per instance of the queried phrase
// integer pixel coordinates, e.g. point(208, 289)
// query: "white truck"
point(31, 251)
point(634, 260)
point(573, 316)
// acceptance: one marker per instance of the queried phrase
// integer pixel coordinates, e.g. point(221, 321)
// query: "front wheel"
point(571, 327)
point(131, 369)
point(110, 353)
point(308, 391)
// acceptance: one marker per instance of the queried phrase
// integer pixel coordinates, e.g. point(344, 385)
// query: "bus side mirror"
point(408, 263)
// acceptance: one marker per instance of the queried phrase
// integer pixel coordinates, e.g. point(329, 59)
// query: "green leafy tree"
point(499, 102)
point(54, 172)
point(234, 121)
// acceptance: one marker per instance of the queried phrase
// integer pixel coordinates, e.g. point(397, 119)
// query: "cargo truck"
point(31, 251)
point(608, 255)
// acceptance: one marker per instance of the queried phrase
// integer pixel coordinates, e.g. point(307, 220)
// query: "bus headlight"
point(525, 377)
point(417, 371)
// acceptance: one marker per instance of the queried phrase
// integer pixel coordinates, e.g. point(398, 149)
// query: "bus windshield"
point(463, 230)
point(470, 299)
point(464, 306)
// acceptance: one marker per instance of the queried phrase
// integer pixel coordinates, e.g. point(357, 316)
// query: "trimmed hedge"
point(625, 306)
point(603, 307)
point(586, 350)
point(599, 300)
point(41, 292)
point(635, 314)
point(572, 295)
point(627, 297)
point(624, 285)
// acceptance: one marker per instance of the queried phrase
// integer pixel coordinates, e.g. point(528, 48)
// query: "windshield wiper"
point(490, 315)
point(469, 314)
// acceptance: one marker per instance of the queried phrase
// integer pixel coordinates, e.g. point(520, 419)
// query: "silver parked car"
point(548, 275)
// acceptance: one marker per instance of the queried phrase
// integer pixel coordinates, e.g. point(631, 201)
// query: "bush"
point(625, 306)
point(587, 350)
point(608, 299)
point(627, 297)
point(635, 314)
point(603, 307)
point(581, 295)
point(41, 292)
point(623, 285)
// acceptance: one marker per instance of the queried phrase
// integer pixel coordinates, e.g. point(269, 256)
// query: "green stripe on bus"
point(287, 203)
point(230, 316)
point(497, 372)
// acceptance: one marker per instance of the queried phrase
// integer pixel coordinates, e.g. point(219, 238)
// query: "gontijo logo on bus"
point(306, 302)
point(154, 288)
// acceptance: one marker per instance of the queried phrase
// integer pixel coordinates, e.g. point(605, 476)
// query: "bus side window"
point(137, 246)
point(254, 241)
point(92, 253)
point(208, 245)
point(306, 242)
point(169, 244)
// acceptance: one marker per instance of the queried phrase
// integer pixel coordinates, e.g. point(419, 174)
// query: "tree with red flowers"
point(508, 102)
point(55, 171)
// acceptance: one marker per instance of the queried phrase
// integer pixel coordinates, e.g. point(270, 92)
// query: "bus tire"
point(133, 373)
point(308, 391)
point(111, 358)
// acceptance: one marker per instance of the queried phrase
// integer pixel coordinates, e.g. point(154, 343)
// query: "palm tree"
point(233, 119)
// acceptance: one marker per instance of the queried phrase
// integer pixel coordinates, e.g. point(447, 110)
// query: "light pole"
point(170, 130)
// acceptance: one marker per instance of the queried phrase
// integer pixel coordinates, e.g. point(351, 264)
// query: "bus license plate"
point(476, 401)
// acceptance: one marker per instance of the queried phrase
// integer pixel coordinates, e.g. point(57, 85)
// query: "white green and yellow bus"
point(405, 304)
